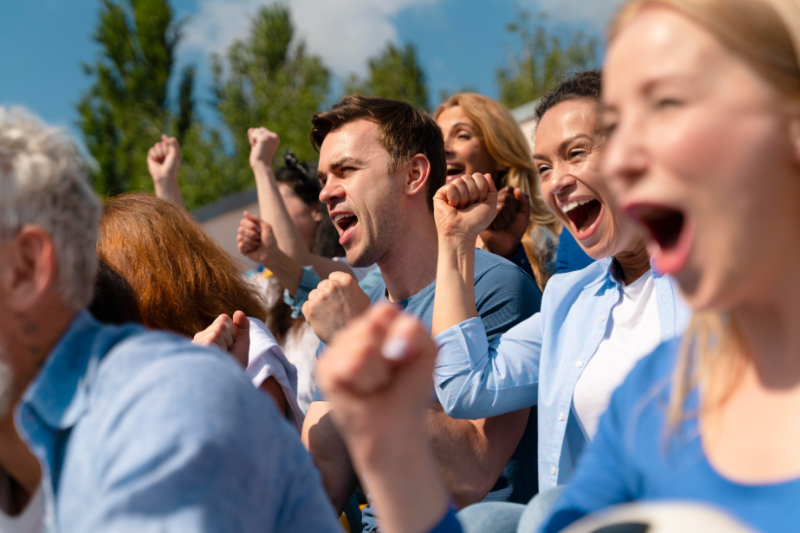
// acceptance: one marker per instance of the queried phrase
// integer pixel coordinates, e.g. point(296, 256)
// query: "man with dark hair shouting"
point(381, 162)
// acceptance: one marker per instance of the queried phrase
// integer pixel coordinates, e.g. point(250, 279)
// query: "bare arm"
point(264, 144)
point(462, 209)
point(471, 454)
point(377, 375)
point(163, 163)
point(322, 440)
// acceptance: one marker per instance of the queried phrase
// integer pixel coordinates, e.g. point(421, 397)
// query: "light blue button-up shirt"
point(143, 431)
point(540, 360)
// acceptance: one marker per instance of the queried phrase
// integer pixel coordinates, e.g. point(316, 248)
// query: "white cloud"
point(344, 32)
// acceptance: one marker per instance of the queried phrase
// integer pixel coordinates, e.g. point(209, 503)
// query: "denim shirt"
point(143, 431)
point(540, 360)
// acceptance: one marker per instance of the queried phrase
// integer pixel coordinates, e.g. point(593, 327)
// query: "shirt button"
point(579, 364)
point(603, 317)
point(553, 470)
point(561, 416)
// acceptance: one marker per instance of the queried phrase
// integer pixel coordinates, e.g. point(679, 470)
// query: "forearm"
point(169, 190)
point(330, 455)
point(273, 211)
point(454, 301)
point(399, 471)
point(471, 454)
point(286, 269)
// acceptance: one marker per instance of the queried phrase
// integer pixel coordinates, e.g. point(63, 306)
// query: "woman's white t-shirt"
point(266, 359)
point(633, 331)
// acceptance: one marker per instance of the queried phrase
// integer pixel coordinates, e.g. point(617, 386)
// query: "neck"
point(410, 265)
point(633, 264)
point(768, 328)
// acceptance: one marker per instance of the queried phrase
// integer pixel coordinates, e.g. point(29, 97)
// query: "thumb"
point(254, 218)
point(242, 324)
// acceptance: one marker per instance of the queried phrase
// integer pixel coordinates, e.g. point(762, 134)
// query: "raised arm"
point(462, 209)
point(263, 145)
point(163, 163)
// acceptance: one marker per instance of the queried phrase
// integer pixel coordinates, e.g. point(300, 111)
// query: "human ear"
point(30, 268)
point(316, 215)
point(419, 170)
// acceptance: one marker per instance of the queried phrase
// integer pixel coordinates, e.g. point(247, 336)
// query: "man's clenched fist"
point(333, 304)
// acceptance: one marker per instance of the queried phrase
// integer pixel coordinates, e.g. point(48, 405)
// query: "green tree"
point(126, 109)
point(394, 73)
point(543, 59)
point(126, 106)
point(270, 80)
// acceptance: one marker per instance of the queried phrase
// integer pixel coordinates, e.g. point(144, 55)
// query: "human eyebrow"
point(347, 161)
point(566, 142)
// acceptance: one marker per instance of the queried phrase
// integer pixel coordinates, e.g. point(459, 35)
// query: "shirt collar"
point(610, 271)
point(60, 392)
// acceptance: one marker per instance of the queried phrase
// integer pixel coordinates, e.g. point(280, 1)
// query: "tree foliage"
point(270, 80)
point(393, 73)
point(543, 59)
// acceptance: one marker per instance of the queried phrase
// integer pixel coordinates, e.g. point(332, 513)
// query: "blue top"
point(504, 296)
point(570, 256)
point(143, 431)
point(633, 457)
point(540, 360)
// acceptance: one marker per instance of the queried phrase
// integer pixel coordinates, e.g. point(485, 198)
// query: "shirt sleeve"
point(308, 282)
point(475, 379)
point(190, 445)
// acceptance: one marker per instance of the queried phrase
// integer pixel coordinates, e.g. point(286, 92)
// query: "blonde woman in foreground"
point(702, 105)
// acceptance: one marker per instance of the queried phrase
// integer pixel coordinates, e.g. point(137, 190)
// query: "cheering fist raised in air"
point(333, 304)
point(505, 233)
point(163, 163)
point(377, 374)
point(232, 335)
point(465, 207)
point(256, 240)
point(263, 145)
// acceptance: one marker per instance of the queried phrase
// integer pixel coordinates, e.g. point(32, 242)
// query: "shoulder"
point(494, 272)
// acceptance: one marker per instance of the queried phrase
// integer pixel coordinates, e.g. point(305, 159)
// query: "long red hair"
point(182, 278)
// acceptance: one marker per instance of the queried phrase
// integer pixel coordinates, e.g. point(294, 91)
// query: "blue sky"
point(460, 42)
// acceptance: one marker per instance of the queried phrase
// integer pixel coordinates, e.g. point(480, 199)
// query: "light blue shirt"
point(143, 431)
point(540, 360)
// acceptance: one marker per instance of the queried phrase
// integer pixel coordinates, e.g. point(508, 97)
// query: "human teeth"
point(339, 216)
point(566, 208)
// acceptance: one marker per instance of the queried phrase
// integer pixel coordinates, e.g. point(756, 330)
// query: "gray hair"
point(42, 183)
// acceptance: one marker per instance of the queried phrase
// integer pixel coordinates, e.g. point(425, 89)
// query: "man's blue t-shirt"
point(504, 297)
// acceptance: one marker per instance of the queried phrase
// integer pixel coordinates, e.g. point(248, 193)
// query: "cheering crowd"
point(445, 333)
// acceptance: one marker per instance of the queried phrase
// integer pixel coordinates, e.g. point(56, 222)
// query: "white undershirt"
point(633, 331)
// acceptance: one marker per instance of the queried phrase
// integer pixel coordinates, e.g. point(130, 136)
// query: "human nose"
point(625, 157)
point(561, 178)
point(331, 191)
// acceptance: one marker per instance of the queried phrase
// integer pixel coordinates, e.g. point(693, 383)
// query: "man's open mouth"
point(582, 213)
point(344, 221)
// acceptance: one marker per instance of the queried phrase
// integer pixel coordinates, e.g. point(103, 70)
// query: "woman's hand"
point(257, 241)
point(504, 235)
point(465, 207)
point(263, 145)
point(163, 163)
point(232, 335)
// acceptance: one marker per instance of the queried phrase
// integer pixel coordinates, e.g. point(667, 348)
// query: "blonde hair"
point(506, 144)
point(765, 34)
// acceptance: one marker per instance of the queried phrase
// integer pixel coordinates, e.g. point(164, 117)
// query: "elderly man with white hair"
point(134, 430)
